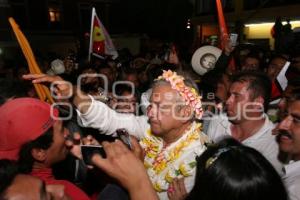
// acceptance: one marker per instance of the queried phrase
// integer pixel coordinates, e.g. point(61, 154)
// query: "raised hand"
point(61, 88)
point(228, 47)
point(74, 143)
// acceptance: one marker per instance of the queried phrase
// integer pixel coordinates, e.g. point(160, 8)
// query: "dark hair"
point(259, 84)
point(121, 88)
point(255, 55)
point(280, 56)
point(8, 171)
point(11, 89)
point(26, 159)
point(209, 83)
point(295, 82)
point(231, 171)
point(295, 96)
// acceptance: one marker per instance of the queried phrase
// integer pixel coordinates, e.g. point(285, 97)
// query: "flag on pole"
point(281, 77)
point(100, 41)
point(279, 84)
point(42, 91)
point(222, 23)
point(223, 31)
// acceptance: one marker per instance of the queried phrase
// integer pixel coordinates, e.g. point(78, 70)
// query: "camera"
point(89, 150)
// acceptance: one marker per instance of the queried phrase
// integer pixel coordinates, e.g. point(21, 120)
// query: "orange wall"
point(208, 30)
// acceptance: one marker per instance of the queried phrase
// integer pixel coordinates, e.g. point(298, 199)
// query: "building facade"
point(251, 19)
point(50, 25)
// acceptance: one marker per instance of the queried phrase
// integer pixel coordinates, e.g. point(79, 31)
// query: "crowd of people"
point(232, 133)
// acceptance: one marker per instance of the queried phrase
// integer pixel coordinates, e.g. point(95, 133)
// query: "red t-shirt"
point(70, 189)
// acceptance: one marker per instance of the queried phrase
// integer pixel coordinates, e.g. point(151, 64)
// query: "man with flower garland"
point(170, 135)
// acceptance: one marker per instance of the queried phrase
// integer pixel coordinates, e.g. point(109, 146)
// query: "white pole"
point(91, 34)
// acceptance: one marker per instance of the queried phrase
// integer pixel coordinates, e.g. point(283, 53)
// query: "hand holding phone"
point(89, 150)
point(233, 39)
point(124, 137)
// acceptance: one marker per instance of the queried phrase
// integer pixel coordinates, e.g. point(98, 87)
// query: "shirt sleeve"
point(107, 120)
point(222, 63)
point(217, 128)
point(213, 128)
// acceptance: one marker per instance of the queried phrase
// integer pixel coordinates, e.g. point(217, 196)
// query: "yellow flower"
point(157, 187)
point(160, 167)
point(158, 159)
point(186, 169)
point(169, 178)
point(147, 165)
point(171, 174)
point(183, 170)
point(151, 155)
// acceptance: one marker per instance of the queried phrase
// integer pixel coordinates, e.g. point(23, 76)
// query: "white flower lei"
point(161, 162)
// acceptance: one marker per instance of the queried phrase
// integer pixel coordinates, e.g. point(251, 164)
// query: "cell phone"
point(124, 136)
point(88, 151)
point(233, 39)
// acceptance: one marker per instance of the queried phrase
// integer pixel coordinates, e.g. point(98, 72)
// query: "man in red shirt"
point(31, 132)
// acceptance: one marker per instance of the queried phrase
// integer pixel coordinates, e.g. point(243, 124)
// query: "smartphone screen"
point(233, 39)
point(89, 150)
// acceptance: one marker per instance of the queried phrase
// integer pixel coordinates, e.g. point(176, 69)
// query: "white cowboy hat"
point(57, 67)
point(205, 58)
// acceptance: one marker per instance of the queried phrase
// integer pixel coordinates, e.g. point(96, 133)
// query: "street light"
point(188, 24)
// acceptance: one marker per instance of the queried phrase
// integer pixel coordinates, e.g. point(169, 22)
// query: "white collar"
point(266, 126)
point(293, 168)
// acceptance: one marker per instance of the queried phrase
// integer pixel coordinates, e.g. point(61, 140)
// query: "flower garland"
point(162, 162)
point(189, 94)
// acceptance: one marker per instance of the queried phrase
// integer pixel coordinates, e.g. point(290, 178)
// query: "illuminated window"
point(54, 15)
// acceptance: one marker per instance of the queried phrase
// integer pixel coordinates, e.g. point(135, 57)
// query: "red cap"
point(23, 120)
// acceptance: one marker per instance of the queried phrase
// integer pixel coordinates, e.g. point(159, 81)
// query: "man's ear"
point(39, 154)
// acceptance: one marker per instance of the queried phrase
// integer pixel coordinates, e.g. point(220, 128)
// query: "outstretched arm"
point(63, 90)
point(92, 113)
point(224, 59)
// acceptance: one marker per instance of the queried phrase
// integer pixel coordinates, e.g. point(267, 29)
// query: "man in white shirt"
point(170, 134)
point(245, 119)
point(288, 136)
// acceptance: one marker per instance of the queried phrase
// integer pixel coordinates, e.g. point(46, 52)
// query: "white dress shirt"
point(291, 179)
point(263, 140)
